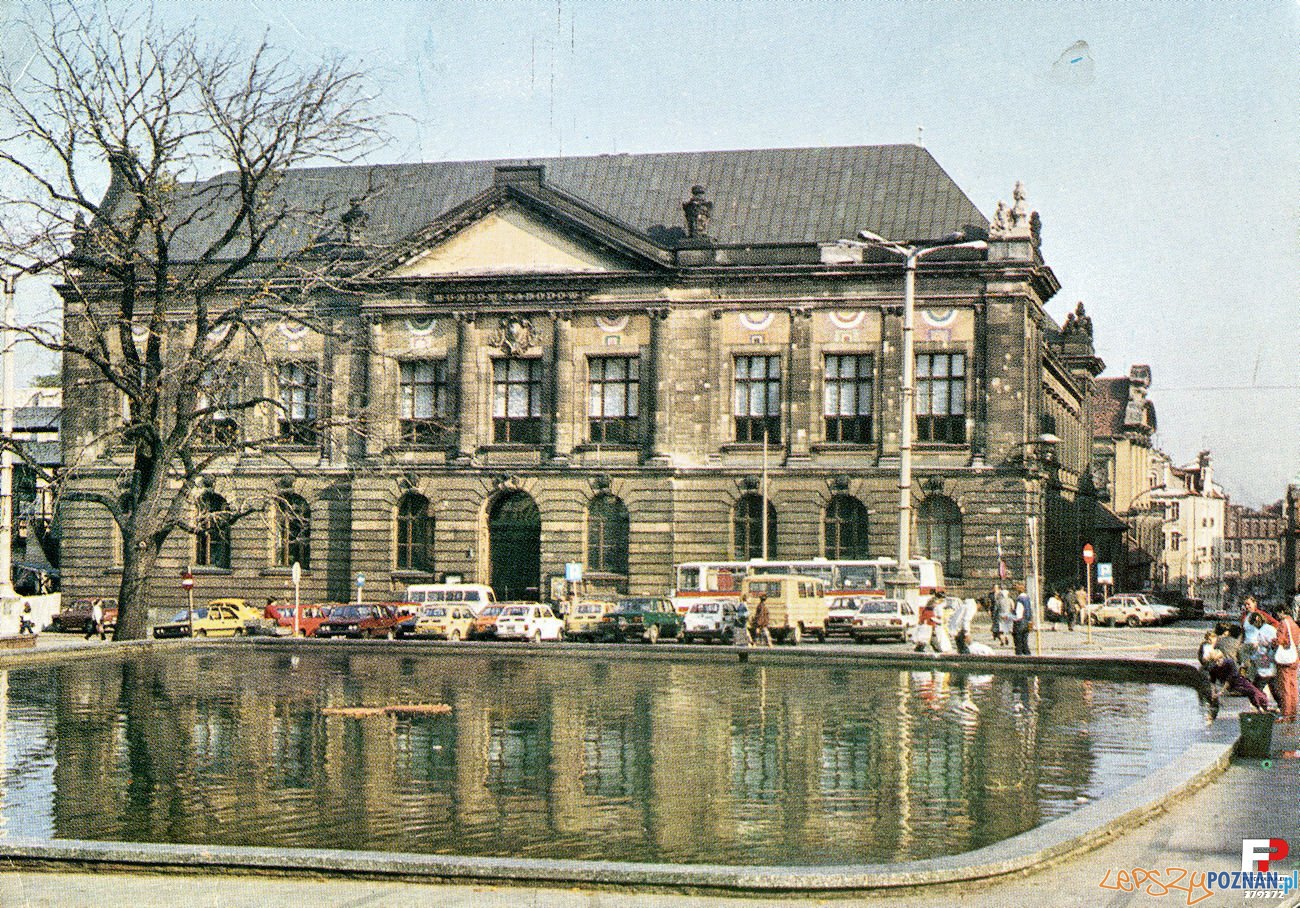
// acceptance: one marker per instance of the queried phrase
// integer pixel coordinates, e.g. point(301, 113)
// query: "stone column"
point(654, 397)
point(799, 374)
point(562, 388)
point(468, 385)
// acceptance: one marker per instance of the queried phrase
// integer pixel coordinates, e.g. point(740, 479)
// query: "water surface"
point(678, 761)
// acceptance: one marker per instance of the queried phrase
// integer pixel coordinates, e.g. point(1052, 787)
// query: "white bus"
point(702, 580)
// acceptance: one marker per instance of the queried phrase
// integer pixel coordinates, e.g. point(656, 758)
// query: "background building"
point(1253, 550)
point(1195, 512)
point(586, 359)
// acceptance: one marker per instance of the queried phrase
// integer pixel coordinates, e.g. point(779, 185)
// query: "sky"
point(1161, 152)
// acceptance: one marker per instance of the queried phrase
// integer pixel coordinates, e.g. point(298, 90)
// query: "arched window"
point(846, 529)
point(607, 528)
point(938, 533)
point(212, 532)
point(748, 521)
point(293, 531)
point(414, 534)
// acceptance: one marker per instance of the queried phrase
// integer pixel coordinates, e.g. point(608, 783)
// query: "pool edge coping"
point(1075, 833)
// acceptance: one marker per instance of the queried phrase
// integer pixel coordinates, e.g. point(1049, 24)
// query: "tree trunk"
point(132, 603)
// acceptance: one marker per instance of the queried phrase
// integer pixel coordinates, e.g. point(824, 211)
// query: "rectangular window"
point(614, 399)
point(847, 401)
point(297, 411)
point(424, 408)
point(218, 394)
point(757, 398)
point(517, 401)
point(941, 398)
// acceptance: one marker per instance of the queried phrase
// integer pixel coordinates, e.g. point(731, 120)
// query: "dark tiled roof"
point(1110, 399)
point(795, 195)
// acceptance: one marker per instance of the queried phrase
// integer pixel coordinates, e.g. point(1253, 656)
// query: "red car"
point(76, 617)
point(372, 620)
point(310, 617)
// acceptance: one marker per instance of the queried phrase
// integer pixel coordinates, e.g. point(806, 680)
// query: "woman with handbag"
point(1285, 656)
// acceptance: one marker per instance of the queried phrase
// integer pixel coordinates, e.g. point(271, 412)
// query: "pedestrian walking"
point(25, 624)
point(1081, 603)
point(96, 623)
point(1285, 656)
point(1262, 641)
point(1022, 620)
point(1071, 609)
point(959, 625)
point(1005, 605)
point(926, 622)
point(741, 635)
point(762, 633)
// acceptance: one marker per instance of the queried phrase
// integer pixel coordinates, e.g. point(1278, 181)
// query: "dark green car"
point(646, 619)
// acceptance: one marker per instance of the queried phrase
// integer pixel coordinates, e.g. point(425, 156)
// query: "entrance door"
point(515, 546)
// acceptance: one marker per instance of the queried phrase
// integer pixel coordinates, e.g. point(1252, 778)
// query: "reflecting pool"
point(684, 761)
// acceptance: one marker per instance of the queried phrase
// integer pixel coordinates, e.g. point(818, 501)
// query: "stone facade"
point(572, 367)
point(1253, 549)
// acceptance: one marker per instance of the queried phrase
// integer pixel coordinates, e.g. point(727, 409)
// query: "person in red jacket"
point(1288, 641)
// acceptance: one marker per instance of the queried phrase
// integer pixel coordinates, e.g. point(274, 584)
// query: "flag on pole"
point(1002, 565)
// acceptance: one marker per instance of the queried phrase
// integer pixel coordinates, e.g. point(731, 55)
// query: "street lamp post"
point(904, 580)
point(7, 282)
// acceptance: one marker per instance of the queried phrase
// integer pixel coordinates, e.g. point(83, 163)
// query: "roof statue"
point(1078, 322)
point(699, 210)
point(1016, 222)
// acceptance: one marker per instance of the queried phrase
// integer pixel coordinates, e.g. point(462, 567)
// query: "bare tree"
point(146, 170)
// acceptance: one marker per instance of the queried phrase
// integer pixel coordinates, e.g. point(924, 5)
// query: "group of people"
point(756, 627)
point(1259, 653)
point(941, 628)
point(1013, 617)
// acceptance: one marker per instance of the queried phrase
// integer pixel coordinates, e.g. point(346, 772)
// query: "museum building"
point(599, 359)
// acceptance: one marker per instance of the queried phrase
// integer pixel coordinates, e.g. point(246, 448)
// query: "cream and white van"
point(473, 595)
point(796, 605)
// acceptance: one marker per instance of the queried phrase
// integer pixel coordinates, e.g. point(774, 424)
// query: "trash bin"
point(1256, 735)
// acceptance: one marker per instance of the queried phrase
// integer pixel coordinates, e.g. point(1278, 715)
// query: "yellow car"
point(219, 618)
point(442, 622)
point(583, 618)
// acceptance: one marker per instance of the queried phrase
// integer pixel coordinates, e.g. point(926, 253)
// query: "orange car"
point(485, 625)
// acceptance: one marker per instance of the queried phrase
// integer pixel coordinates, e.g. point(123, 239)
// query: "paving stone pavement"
point(1252, 799)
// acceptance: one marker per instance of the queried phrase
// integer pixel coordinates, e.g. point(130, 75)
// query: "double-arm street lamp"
point(911, 253)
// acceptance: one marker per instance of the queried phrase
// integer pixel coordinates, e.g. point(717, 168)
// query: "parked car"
point(1192, 608)
point(710, 621)
point(879, 619)
point(840, 612)
point(528, 621)
point(439, 622)
point(219, 618)
point(648, 619)
point(583, 617)
point(277, 621)
point(796, 604)
point(357, 621)
point(1121, 609)
point(76, 617)
point(485, 624)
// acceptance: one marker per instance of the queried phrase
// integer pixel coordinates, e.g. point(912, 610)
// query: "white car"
point(534, 623)
point(1122, 609)
point(840, 614)
point(877, 618)
point(708, 621)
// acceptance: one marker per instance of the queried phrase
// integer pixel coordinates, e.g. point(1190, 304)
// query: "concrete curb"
point(1080, 831)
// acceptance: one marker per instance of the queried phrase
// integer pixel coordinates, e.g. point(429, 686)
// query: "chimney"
point(526, 175)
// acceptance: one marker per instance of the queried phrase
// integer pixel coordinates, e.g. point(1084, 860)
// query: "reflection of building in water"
point(582, 758)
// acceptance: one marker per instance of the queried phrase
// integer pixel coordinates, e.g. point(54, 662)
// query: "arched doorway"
point(515, 547)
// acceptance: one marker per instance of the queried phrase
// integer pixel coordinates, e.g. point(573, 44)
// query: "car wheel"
point(1132, 621)
point(795, 634)
point(455, 637)
point(652, 634)
point(1110, 622)
point(301, 632)
point(390, 634)
point(537, 636)
point(200, 633)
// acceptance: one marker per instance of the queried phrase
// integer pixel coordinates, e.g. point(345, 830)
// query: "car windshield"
point(711, 608)
point(879, 606)
point(346, 612)
point(185, 616)
point(516, 610)
point(635, 605)
point(844, 604)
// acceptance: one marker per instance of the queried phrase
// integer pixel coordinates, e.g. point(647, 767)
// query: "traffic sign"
point(187, 581)
point(361, 580)
point(296, 573)
point(1089, 554)
point(573, 571)
point(1105, 573)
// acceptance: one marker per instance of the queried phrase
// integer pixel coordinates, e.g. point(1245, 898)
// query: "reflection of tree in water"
point(582, 758)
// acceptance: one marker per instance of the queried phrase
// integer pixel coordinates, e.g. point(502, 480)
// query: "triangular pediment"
point(510, 240)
